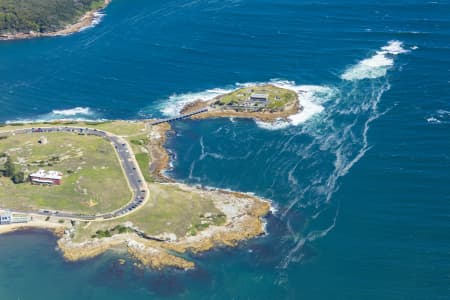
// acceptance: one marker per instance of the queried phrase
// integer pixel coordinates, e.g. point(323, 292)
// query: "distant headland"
point(44, 18)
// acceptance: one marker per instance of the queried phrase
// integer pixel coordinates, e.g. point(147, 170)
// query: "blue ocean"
point(360, 180)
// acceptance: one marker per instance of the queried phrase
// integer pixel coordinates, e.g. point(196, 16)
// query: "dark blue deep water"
point(360, 180)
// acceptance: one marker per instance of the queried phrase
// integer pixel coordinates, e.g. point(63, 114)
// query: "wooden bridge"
point(180, 117)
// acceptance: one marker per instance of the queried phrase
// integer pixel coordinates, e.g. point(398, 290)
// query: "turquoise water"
point(360, 180)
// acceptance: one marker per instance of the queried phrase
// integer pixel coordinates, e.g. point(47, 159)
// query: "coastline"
point(244, 220)
point(85, 21)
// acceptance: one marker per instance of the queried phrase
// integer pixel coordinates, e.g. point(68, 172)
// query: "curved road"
point(130, 167)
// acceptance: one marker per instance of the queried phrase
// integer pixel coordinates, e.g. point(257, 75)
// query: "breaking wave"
point(98, 17)
point(172, 106)
point(73, 111)
point(377, 65)
point(71, 114)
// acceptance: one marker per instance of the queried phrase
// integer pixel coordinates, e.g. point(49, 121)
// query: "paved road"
point(128, 163)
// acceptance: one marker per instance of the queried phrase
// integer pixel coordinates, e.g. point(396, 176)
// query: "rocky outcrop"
point(244, 221)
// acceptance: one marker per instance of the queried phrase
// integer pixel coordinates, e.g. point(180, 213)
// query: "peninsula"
point(43, 18)
point(101, 185)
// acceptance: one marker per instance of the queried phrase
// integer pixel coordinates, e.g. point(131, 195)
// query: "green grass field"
point(278, 97)
point(93, 181)
point(122, 128)
point(169, 210)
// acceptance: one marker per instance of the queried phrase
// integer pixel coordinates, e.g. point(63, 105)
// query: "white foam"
point(311, 98)
point(377, 65)
point(433, 120)
point(277, 125)
point(173, 105)
point(71, 114)
point(98, 17)
point(73, 111)
point(394, 47)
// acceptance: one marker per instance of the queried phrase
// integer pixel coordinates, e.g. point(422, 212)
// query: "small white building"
point(46, 177)
point(7, 217)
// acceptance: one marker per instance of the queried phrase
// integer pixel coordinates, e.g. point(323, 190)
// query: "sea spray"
point(377, 65)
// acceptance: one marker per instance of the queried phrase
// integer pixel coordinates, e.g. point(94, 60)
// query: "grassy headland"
point(28, 18)
point(93, 180)
point(173, 219)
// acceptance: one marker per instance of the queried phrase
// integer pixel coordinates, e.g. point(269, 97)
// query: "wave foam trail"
point(336, 143)
point(332, 146)
point(377, 65)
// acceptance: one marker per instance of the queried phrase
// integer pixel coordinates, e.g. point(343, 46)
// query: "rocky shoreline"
point(244, 220)
point(265, 116)
point(85, 21)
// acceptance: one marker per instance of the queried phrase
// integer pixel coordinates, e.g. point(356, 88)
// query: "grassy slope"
point(100, 179)
point(169, 210)
point(239, 96)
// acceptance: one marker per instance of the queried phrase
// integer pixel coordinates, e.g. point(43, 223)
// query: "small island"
point(265, 102)
point(41, 18)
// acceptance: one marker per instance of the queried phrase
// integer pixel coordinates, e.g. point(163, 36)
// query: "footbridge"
point(180, 117)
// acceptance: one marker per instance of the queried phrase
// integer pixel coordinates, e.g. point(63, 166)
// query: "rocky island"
point(265, 102)
point(41, 18)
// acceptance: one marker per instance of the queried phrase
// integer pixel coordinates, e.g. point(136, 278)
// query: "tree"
point(19, 177)
point(10, 169)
